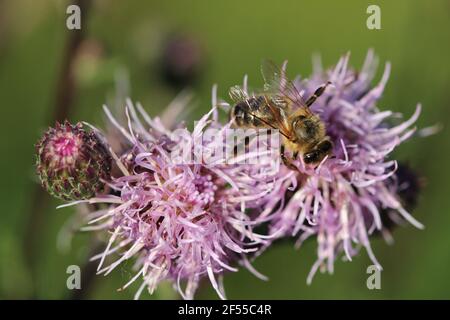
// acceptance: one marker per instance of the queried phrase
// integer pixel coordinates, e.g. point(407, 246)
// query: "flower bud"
point(72, 163)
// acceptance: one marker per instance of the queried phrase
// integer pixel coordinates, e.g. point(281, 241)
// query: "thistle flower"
point(184, 221)
point(342, 200)
point(72, 163)
point(179, 221)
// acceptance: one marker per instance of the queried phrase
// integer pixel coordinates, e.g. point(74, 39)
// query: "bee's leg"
point(287, 162)
point(319, 91)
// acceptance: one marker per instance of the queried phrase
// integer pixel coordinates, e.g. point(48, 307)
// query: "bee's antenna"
point(319, 91)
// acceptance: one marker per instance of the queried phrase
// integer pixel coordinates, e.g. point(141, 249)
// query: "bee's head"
point(306, 128)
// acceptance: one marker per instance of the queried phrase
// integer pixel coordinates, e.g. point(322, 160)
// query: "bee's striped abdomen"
point(248, 113)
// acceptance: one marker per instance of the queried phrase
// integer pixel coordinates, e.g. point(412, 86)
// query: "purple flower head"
point(341, 200)
point(179, 221)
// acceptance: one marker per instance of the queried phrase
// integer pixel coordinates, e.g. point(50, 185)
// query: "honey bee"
point(280, 106)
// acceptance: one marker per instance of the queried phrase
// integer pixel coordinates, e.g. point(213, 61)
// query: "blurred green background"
point(231, 38)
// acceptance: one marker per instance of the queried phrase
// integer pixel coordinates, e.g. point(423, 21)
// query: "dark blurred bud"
point(409, 185)
point(71, 162)
point(181, 61)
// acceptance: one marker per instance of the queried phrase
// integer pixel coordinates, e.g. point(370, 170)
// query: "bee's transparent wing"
point(276, 83)
point(237, 94)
